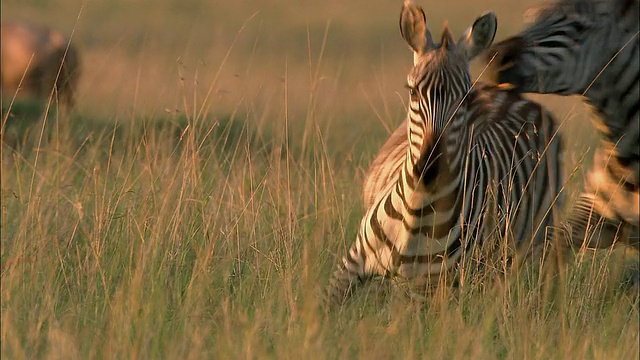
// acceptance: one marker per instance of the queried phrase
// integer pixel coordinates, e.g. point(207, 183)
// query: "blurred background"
point(338, 65)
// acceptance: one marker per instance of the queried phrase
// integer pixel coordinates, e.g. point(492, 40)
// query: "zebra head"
point(566, 46)
point(440, 77)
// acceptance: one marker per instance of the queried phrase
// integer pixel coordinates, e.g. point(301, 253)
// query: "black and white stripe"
point(462, 142)
point(589, 48)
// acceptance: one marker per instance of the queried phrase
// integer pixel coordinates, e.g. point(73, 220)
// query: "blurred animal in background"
point(36, 60)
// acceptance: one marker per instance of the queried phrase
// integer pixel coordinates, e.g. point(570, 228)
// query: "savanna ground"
point(197, 200)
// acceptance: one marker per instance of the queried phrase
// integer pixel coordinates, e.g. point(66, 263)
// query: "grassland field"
point(195, 202)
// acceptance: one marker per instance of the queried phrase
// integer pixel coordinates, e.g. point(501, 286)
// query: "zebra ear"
point(413, 27)
point(480, 35)
point(446, 42)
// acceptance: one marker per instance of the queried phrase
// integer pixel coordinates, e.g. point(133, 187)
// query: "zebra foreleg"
point(587, 228)
point(342, 285)
point(351, 273)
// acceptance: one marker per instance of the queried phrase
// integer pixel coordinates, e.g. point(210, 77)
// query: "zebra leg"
point(634, 276)
point(342, 285)
point(608, 207)
point(348, 277)
point(586, 227)
point(634, 238)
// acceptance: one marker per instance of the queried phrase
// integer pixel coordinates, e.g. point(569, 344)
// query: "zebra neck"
point(430, 185)
point(436, 156)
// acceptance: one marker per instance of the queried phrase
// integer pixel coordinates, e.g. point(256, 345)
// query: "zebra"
point(588, 48)
point(461, 141)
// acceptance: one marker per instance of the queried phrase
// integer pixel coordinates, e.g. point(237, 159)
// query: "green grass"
point(195, 207)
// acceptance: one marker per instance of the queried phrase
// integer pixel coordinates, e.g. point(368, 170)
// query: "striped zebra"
point(461, 141)
point(589, 48)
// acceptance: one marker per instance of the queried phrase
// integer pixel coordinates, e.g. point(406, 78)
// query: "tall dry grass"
point(196, 203)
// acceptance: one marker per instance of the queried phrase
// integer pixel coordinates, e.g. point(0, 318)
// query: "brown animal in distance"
point(36, 60)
